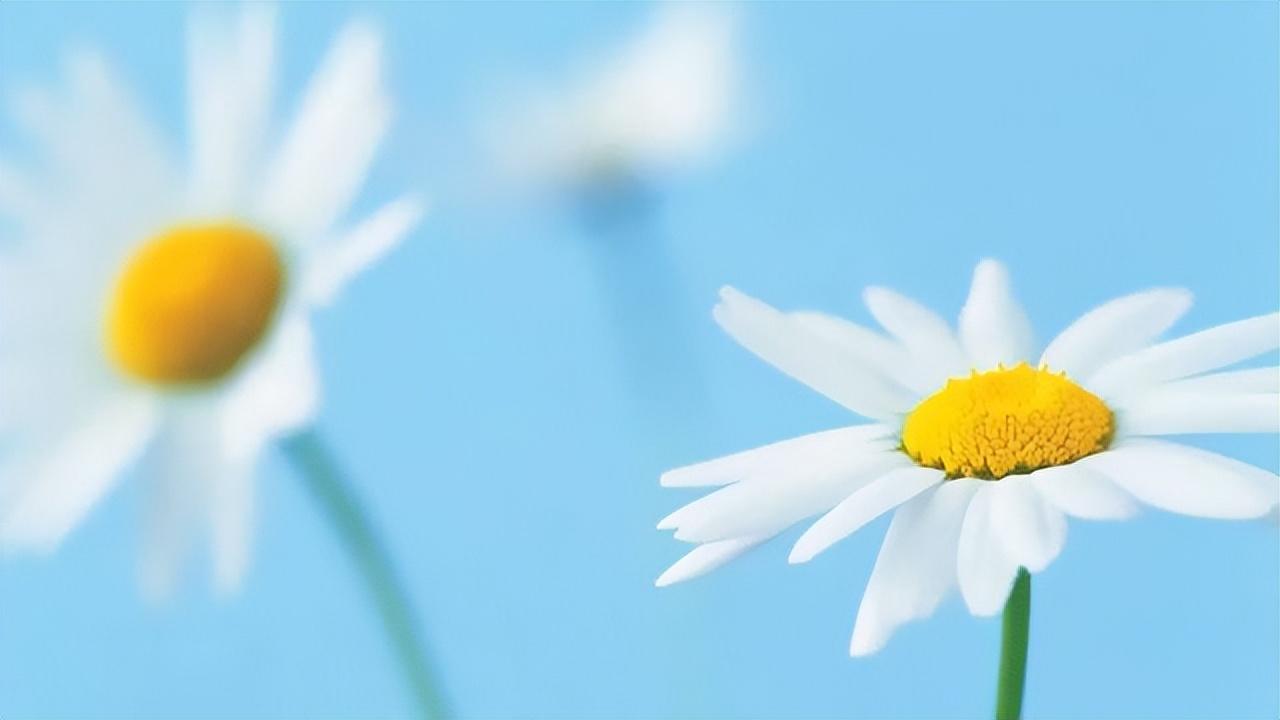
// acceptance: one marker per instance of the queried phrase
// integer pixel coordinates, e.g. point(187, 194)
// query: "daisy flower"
point(659, 102)
point(979, 449)
point(161, 314)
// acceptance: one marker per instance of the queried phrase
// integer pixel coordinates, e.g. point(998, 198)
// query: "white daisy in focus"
point(661, 102)
point(164, 316)
point(979, 449)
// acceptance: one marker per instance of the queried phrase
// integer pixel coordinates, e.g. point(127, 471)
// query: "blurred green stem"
point(1013, 648)
point(319, 470)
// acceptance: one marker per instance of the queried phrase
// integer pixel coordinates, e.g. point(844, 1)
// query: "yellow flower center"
point(1006, 421)
point(192, 301)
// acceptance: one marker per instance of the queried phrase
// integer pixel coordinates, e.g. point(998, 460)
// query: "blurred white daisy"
point(155, 314)
point(660, 102)
point(980, 454)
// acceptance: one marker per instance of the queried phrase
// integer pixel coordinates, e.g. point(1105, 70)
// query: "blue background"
point(508, 386)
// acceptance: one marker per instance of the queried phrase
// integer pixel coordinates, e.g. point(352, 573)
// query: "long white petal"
point(327, 152)
point(809, 357)
point(1187, 480)
point(993, 327)
point(1189, 355)
point(17, 201)
point(332, 265)
point(863, 506)
point(103, 156)
point(63, 481)
point(1032, 530)
point(821, 458)
point(197, 483)
point(775, 459)
point(277, 394)
point(934, 348)
point(1114, 329)
point(705, 558)
point(886, 355)
point(1171, 412)
point(1253, 380)
point(113, 113)
point(771, 506)
point(1080, 492)
point(232, 514)
point(229, 86)
point(916, 566)
point(985, 570)
point(174, 473)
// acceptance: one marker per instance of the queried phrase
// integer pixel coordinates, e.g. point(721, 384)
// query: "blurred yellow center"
point(1006, 421)
point(192, 301)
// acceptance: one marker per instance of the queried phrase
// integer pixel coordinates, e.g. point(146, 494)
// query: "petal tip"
point(801, 553)
point(667, 578)
point(990, 267)
point(729, 293)
point(862, 646)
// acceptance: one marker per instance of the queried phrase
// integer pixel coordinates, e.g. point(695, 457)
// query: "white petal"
point(62, 481)
point(103, 156)
point(916, 566)
point(197, 483)
point(705, 558)
point(818, 459)
point(229, 85)
point(174, 475)
point(17, 201)
point(770, 506)
point(1080, 492)
point(809, 357)
point(232, 512)
point(277, 394)
point(333, 265)
point(863, 506)
point(933, 347)
point(114, 118)
point(993, 327)
point(1171, 412)
point(774, 459)
point(887, 356)
point(1114, 329)
point(1186, 480)
point(984, 568)
point(1031, 530)
point(1192, 354)
point(332, 142)
point(1253, 380)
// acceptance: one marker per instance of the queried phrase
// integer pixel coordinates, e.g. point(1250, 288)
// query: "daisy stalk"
point(319, 470)
point(1013, 649)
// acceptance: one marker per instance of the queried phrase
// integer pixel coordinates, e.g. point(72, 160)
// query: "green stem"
point(1013, 649)
point(320, 471)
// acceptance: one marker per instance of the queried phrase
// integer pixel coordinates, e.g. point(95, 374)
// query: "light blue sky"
point(508, 386)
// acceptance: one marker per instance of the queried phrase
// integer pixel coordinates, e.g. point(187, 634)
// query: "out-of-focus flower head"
point(161, 314)
point(662, 102)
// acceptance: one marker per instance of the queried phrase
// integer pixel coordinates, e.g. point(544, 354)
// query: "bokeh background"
point(508, 386)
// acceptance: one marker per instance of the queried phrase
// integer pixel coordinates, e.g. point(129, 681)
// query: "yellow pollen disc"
point(1006, 421)
point(192, 301)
